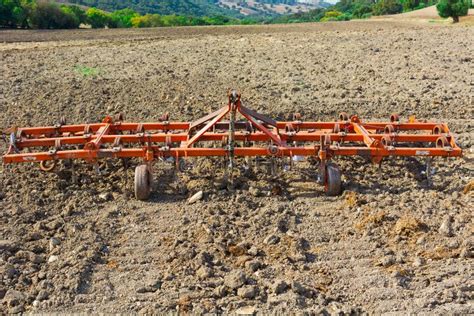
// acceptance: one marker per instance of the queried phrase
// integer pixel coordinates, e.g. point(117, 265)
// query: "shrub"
point(422, 5)
point(79, 13)
point(332, 16)
point(218, 20)
point(361, 10)
point(123, 18)
point(48, 15)
point(384, 7)
point(148, 20)
point(344, 17)
point(97, 18)
point(14, 13)
point(453, 8)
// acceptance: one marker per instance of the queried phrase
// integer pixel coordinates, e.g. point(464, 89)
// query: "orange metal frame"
point(258, 136)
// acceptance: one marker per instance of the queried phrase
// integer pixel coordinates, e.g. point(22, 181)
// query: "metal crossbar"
point(255, 135)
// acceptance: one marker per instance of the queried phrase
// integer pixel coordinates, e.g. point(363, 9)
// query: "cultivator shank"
point(232, 131)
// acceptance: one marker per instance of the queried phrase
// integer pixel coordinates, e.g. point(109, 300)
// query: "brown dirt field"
point(392, 243)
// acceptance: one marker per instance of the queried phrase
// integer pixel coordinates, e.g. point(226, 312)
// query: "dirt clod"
point(271, 242)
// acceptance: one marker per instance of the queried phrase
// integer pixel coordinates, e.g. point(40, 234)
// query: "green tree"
point(148, 20)
point(97, 18)
point(6, 13)
point(49, 15)
point(383, 7)
point(13, 13)
point(78, 12)
point(453, 8)
point(331, 16)
point(123, 18)
point(361, 10)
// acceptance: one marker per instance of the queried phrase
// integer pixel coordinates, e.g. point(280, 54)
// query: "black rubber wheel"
point(143, 180)
point(333, 185)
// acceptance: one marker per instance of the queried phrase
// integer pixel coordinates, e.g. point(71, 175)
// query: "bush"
point(148, 20)
point(218, 20)
point(344, 17)
point(79, 13)
point(174, 20)
point(453, 8)
point(408, 5)
point(14, 13)
point(97, 18)
point(331, 16)
point(422, 5)
point(361, 10)
point(7, 19)
point(49, 15)
point(384, 7)
point(123, 18)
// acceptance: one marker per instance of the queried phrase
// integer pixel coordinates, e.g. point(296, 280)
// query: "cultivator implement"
point(232, 131)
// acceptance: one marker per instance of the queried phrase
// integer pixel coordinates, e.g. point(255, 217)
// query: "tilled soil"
point(393, 242)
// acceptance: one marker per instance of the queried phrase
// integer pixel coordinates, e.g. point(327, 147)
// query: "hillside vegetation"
point(356, 9)
point(50, 15)
point(165, 7)
point(197, 8)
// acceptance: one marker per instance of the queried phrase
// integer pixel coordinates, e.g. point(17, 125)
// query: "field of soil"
point(393, 242)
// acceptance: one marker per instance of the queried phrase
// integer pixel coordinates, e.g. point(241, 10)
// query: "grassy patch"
point(438, 21)
point(87, 71)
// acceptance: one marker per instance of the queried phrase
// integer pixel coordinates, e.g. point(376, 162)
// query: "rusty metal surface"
point(344, 137)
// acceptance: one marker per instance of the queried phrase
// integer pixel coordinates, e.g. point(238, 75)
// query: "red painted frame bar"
point(171, 126)
point(209, 136)
point(239, 152)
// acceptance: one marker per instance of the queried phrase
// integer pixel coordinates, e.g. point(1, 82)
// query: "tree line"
point(346, 10)
point(49, 15)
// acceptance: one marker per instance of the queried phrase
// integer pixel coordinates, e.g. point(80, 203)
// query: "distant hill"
point(166, 7)
point(271, 7)
point(205, 7)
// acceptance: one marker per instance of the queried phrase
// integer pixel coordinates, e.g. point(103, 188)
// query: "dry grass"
point(351, 199)
point(112, 264)
point(375, 219)
point(408, 226)
point(283, 249)
point(469, 187)
point(396, 268)
point(184, 304)
point(236, 250)
point(441, 252)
